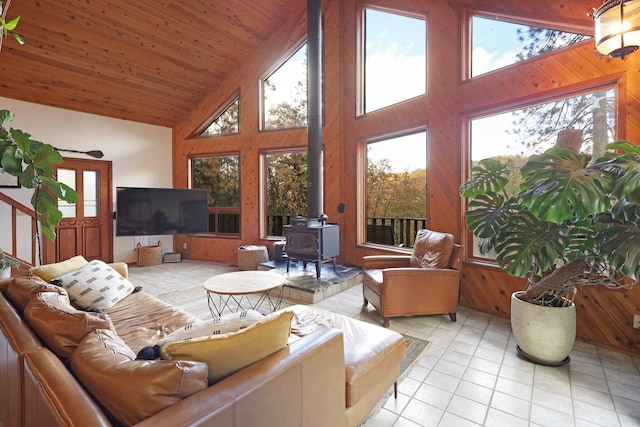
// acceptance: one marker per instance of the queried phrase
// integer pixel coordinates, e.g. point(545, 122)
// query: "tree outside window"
point(225, 123)
point(497, 43)
point(286, 188)
point(285, 94)
point(220, 176)
point(396, 189)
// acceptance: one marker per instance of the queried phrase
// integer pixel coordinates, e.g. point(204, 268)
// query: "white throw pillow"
point(221, 325)
point(95, 285)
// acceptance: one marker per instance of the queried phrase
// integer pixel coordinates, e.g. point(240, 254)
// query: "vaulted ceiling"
point(140, 60)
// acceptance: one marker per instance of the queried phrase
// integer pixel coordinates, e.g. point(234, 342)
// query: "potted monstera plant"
point(572, 223)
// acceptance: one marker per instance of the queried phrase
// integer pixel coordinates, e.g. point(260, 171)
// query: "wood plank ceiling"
point(140, 60)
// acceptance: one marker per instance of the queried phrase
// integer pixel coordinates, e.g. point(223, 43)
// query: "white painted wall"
point(140, 155)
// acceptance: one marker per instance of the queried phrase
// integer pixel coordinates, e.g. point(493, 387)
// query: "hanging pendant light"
point(617, 27)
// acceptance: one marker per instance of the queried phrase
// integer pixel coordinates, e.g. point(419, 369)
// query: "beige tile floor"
point(470, 375)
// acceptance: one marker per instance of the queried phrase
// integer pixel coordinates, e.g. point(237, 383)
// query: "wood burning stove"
point(312, 241)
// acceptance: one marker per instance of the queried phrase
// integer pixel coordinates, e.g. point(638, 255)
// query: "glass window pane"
point(220, 176)
point(395, 59)
point(286, 189)
point(396, 189)
point(226, 123)
point(285, 93)
point(496, 44)
point(67, 176)
point(90, 193)
point(588, 119)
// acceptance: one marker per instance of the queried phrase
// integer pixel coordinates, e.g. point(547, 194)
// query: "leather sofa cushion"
point(49, 272)
point(370, 352)
point(59, 325)
point(22, 288)
point(431, 249)
point(132, 390)
point(95, 285)
point(142, 319)
point(230, 352)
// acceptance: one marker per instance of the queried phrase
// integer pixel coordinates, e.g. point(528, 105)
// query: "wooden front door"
point(87, 227)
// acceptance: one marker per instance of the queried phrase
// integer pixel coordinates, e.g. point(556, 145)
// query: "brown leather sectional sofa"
point(332, 373)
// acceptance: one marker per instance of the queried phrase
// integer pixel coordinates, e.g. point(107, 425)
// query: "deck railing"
point(20, 222)
point(399, 232)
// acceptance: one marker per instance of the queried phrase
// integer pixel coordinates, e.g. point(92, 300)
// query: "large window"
point(220, 176)
point(395, 59)
point(284, 94)
point(396, 193)
point(496, 43)
point(585, 119)
point(286, 188)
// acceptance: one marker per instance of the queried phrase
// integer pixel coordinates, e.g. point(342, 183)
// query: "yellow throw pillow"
point(228, 353)
point(49, 272)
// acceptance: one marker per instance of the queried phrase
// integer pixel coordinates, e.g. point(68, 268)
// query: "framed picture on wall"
point(9, 181)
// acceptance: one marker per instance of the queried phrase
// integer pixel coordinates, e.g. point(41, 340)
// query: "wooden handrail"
point(15, 208)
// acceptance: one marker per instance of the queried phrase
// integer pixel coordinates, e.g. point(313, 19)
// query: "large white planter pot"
point(5, 273)
point(544, 335)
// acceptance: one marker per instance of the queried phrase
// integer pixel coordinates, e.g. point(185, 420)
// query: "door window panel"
point(68, 177)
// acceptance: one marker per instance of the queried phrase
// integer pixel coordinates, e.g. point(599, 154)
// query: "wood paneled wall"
point(604, 316)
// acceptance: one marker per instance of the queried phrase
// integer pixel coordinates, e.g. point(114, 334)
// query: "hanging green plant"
point(31, 162)
point(8, 26)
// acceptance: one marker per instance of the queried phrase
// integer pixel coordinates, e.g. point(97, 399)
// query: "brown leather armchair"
point(425, 282)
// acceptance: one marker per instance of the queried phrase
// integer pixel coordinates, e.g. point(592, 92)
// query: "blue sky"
point(396, 68)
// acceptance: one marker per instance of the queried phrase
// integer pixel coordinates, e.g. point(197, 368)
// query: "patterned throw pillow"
point(95, 286)
point(227, 353)
point(220, 325)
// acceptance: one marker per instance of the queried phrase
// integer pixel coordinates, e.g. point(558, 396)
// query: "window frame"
point(264, 191)
point(617, 83)
point(288, 54)
point(362, 171)
point(223, 209)
point(467, 35)
point(361, 55)
point(196, 134)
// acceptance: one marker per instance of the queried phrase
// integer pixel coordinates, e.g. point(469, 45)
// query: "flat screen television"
point(160, 211)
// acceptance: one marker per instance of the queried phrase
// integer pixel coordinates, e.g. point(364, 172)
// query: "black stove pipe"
point(314, 110)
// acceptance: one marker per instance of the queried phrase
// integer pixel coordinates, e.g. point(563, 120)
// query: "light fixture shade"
point(617, 27)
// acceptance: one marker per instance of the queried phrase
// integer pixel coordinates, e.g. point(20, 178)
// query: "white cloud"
point(392, 77)
point(484, 61)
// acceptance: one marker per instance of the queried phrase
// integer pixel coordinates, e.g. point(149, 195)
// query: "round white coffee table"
point(232, 291)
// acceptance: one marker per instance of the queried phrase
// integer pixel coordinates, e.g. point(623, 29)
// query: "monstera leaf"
point(559, 187)
point(526, 240)
point(620, 246)
point(488, 176)
point(487, 214)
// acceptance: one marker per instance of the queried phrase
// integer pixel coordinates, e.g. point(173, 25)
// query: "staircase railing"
point(19, 237)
